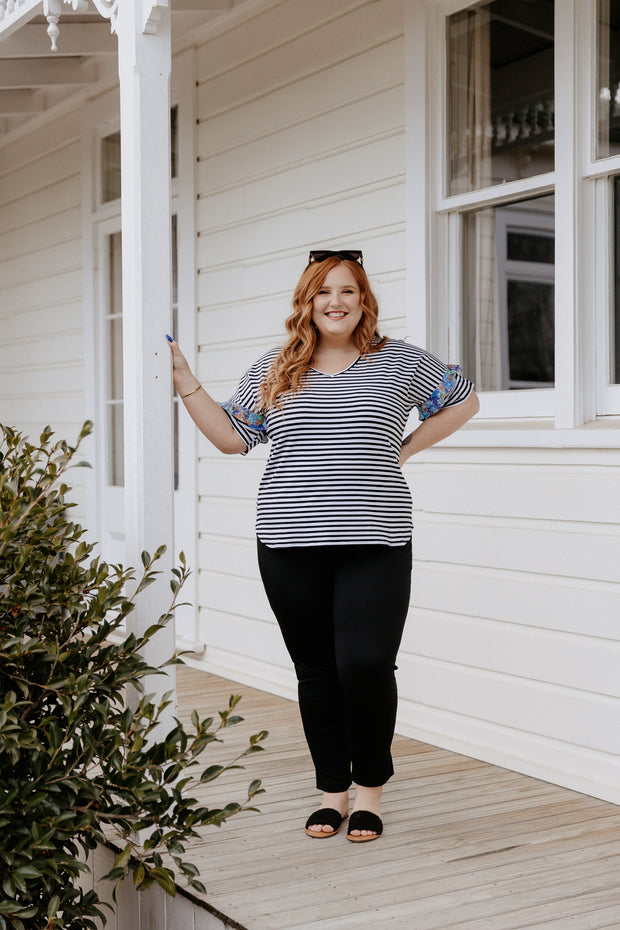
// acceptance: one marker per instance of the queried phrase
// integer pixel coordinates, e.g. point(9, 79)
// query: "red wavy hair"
point(288, 371)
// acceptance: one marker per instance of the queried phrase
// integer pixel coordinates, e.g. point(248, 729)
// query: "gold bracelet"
point(198, 386)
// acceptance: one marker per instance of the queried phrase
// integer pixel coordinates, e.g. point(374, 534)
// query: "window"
point(111, 167)
point(608, 145)
point(508, 295)
point(614, 334)
point(175, 330)
point(608, 67)
point(500, 93)
point(113, 390)
point(111, 158)
point(500, 136)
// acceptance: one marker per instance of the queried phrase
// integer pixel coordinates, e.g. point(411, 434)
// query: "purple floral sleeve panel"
point(442, 392)
point(250, 425)
point(249, 417)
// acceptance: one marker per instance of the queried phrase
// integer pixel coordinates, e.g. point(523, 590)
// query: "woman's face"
point(336, 309)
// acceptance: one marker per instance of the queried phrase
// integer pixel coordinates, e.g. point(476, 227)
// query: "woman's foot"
point(338, 802)
point(367, 799)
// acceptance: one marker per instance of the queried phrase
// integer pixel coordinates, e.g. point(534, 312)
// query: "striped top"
point(333, 476)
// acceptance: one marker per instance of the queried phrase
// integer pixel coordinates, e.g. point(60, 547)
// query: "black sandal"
point(364, 820)
point(324, 816)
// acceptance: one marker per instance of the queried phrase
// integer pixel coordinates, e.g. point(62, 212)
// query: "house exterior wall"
point(511, 648)
point(41, 350)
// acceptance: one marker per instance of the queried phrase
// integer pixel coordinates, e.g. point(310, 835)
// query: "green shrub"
point(77, 765)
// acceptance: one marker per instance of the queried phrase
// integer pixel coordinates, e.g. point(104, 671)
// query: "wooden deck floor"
point(467, 845)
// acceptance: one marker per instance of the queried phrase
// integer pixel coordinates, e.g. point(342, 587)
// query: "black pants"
point(342, 610)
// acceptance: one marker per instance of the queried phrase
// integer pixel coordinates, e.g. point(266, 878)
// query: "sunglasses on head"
point(347, 255)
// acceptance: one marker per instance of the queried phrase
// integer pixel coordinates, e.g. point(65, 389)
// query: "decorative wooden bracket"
point(151, 14)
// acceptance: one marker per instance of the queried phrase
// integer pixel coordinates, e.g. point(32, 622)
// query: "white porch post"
point(144, 71)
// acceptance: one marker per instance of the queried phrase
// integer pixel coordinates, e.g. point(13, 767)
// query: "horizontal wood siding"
point(42, 350)
point(512, 646)
point(300, 144)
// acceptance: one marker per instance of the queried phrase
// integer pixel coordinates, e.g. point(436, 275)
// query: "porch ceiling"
point(34, 78)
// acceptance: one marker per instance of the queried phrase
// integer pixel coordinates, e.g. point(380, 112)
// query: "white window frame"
point(598, 176)
point(582, 193)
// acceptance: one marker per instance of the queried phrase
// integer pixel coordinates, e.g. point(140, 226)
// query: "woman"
point(334, 513)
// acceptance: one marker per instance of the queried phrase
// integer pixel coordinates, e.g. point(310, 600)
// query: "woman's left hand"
point(441, 424)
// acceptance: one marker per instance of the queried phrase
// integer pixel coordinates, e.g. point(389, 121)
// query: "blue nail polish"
point(169, 338)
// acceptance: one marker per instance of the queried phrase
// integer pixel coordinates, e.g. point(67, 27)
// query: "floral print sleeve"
point(442, 392)
point(435, 385)
point(243, 407)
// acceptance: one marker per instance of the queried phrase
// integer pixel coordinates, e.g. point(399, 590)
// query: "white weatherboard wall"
point(300, 144)
point(41, 344)
point(511, 652)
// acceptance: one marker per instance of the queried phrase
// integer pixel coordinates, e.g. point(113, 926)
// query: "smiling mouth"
point(336, 315)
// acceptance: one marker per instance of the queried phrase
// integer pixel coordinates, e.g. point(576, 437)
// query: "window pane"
point(508, 295)
point(608, 53)
point(116, 465)
point(174, 141)
point(500, 93)
point(530, 333)
point(175, 330)
point(114, 346)
point(115, 270)
point(530, 247)
point(115, 359)
point(114, 363)
point(615, 309)
point(111, 159)
point(111, 167)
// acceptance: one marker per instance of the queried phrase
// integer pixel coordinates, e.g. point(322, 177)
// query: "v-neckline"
point(333, 374)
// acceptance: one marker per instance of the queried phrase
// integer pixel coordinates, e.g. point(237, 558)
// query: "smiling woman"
point(334, 514)
point(336, 311)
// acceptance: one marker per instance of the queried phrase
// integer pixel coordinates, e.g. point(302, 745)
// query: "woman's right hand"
point(207, 414)
point(182, 375)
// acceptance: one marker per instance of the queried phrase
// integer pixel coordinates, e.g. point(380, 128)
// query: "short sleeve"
point(437, 385)
point(242, 410)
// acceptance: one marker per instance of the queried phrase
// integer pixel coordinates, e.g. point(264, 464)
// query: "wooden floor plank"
point(467, 845)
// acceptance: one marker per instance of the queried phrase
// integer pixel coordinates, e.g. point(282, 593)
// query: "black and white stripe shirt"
point(333, 476)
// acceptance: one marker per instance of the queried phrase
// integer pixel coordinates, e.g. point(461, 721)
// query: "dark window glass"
point(111, 159)
point(500, 93)
point(615, 308)
point(111, 167)
point(608, 55)
point(530, 333)
point(174, 141)
point(527, 247)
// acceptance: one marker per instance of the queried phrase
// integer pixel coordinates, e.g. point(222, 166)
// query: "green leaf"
point(211, 773)
point(123, 857)
point(52, 907)
point(139, 875)
point(164, 880)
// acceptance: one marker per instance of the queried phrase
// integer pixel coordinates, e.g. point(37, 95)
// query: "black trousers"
point(342, 610)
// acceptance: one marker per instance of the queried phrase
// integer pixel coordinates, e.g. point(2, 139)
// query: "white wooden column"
point(144, 70)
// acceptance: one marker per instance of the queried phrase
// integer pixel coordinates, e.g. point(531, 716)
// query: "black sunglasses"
point(347, 255)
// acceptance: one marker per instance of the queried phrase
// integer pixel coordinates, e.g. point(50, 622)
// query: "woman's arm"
point(437, 427)
point(206, 413)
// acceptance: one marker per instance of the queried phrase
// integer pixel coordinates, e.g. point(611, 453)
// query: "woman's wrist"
point(185, 382)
